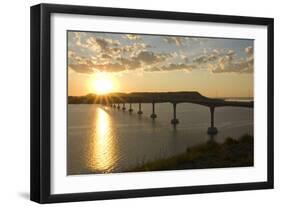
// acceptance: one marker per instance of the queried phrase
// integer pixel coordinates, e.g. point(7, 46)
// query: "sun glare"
point(103, 84)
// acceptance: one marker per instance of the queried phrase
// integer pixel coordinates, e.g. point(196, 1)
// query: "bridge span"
point(175, 98)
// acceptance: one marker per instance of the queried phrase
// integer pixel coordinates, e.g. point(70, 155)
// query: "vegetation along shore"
point(230, 153)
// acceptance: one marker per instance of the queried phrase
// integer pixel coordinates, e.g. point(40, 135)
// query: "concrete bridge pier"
point(175, 120)
point(130, 109)
point(212, 129)
point(153, 115)
point(123, 108)
point(140, 111)
point(118, 106)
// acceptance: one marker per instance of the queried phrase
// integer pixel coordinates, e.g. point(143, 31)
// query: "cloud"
point(205, 58)
point(147, 57)
point(90, 53)
point(134, 49)
point(112, 51)
point(89, 68)
point(171, 67)
point(101, 44)
point(81, 68)
point(249, 50)
point(195, 41)
point(228, 64)
point(226, 61)
point(178, 41)
point(250, 55)
point(132, 37)
point(129, 64)
point(109, 67)
point(212, 56)
point(143, 59)
point(106, 56)
point(71, 54)
point(110, 62)
point(180, 66)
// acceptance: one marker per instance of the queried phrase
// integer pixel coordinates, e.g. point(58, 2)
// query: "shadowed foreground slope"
point(231, 153)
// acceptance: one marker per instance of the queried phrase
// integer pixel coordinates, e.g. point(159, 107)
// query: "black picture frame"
point(41, 98)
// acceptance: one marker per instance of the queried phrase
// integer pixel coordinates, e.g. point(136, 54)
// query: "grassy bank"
point(230, 153)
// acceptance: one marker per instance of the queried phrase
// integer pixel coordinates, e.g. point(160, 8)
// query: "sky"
point(215, 67)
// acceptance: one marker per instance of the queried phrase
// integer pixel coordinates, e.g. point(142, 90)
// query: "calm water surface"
point(103, 139)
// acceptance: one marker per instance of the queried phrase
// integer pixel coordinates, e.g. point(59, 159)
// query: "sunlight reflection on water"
point(105, 140)
point(102, 143)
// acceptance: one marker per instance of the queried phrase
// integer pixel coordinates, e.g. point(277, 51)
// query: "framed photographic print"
point(132, 103)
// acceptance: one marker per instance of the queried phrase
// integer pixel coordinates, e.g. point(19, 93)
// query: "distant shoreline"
point(117, 93)
point(151, 97)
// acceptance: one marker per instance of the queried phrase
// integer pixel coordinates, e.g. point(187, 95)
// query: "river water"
point(102, 139)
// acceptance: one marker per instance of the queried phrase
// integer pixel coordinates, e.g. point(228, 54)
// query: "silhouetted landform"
point(230, 153)
point(155, 97)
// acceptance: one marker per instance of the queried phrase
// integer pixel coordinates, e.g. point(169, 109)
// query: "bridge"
point(175, 98)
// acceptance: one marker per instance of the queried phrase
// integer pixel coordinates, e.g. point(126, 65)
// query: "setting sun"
point(102, 85)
